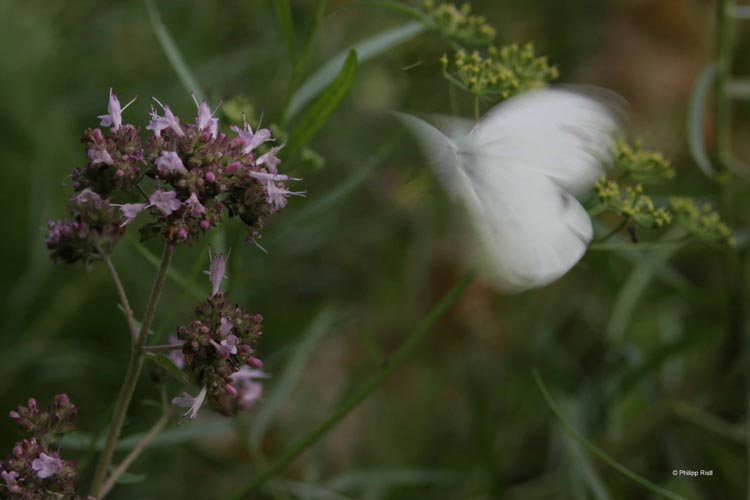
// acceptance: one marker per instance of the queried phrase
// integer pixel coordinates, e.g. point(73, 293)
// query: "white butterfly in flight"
point(517, 173)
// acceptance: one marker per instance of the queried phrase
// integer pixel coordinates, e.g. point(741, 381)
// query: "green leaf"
point(366, 50)
point(695, 120)
point(324, 105)
point(174, 56)
point(596, 451)
point(169, 366)
point(287, 27)
point(291, 374)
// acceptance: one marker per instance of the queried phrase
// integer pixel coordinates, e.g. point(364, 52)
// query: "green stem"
point(121, 292)
point(131, 377)
point(476, 108)
point(389, 365)
point(161, 348)
point(613, 232)
point(133, 455)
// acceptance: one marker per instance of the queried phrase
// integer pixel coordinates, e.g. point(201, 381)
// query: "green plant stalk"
point(131, 377)
point(389, 365)
point(133, 455)
point(121, 293)
point(596, 451)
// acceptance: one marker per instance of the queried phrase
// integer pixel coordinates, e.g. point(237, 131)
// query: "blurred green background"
point(643, 350)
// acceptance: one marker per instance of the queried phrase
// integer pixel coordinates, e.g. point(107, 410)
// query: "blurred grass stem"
point(388, 366)
point(131, 377)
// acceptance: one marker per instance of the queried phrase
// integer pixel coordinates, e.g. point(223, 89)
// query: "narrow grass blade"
point(389, 365)
point(174, 275)
point(366, 50)
point(596, 451)
point(174, 56)
point(291, 374)
point(695, 120)
point(324, 105)
point(284, 15)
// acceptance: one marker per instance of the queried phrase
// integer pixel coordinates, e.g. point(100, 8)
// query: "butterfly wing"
point(564, 133)
point(442, 151)
point(529, 231)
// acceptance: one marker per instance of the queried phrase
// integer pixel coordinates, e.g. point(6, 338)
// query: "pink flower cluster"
point(34, 469)
point(186, 176)
point(218, 350)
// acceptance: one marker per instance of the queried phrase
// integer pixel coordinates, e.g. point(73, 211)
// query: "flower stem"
point(131, 377)
point(388, 366)
point(121, 292)
point(161, 347)
point(133, 455)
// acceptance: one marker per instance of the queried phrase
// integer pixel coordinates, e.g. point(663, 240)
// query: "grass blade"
point(324, 105)
point(695, 120)
point(388, 366)
point(291, 374)
point(178, 278)
point(366, 50)
point(284, 16)
point(174, 56)
point(596, 451)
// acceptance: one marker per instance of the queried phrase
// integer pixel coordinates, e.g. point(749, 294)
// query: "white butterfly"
point(517, 173)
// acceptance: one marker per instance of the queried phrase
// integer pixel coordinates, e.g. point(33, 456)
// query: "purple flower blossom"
point(250, 390)
point(166, 201)
point(194, 205)
point(270, 159)
point(225, 327)
point(10, 481)
point(216, 268)
point(265, 176)
point(168, 121)
point(276, 196)
point(227, 347)
point(205, 119)
point(249, 139)
point(130, 211)
point(113, 118)
point(176, 355)
point(193, 404)
point(100, 156)
point(46, 466)
point(170, 163)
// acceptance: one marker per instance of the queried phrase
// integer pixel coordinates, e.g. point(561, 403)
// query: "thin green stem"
point(133, 455)
point(388, 366)
point(613, 232)
point(476, 108)
point(131, 377)
point(121, 292)
point(596, 451)
point(161, 348)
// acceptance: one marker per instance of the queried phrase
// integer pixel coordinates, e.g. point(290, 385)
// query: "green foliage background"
point(642, 349)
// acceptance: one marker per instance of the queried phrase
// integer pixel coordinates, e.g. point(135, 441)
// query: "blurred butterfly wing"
point(566, 134)
point(442, 152)
point(529, 231)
